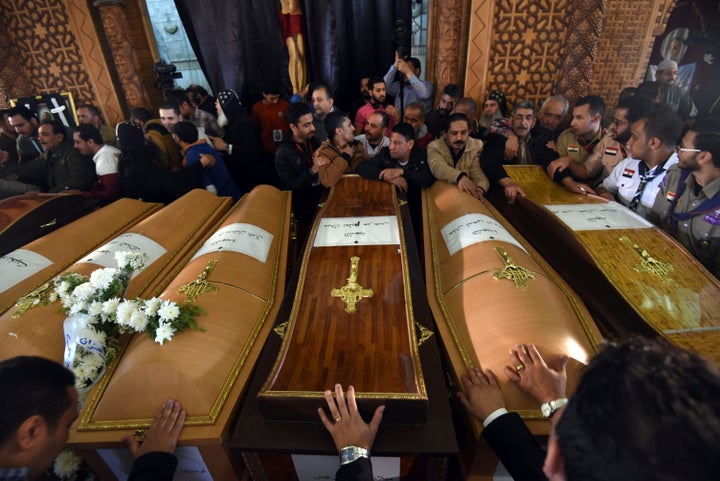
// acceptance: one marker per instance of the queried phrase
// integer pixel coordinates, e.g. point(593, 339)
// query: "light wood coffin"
point(371, 343)
point(169, 237)
point(207, 371)
point(26, 217)
point(34, 264)
point(633, 276)
point(482, 311)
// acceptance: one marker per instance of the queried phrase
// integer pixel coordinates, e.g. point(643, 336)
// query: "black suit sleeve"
point(492, 158)
point(358, 470)
point(155, 466)
point(516, 447)
point(370, 168)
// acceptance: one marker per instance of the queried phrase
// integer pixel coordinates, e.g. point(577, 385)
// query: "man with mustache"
point(455, 158)
point(435, 120)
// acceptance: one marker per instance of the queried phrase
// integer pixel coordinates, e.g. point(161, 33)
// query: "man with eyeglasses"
point(635, 181)
point(611, 149)
point(688, 203)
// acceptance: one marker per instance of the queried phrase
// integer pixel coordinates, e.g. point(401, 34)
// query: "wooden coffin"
point(356, 248)
point(169, 237)
point(26, 217)
point(34, 264)
point(489, 290)
point(633, 276)
point(243, 264)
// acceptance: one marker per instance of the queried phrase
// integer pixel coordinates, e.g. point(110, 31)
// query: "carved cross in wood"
point(352, 292)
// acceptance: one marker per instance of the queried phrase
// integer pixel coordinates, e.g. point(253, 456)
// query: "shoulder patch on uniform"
point(628, 172)
point(573, 148)
point(611, 151)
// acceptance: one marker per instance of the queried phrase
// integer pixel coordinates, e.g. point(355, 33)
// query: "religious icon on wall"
point(55, 106)
point(291, 25)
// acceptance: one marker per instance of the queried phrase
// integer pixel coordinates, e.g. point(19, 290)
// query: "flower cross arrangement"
point(98, 313)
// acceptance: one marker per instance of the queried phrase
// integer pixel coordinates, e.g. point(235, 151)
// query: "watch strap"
point(348, 454)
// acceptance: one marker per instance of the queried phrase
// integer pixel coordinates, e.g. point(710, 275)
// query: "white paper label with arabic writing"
point(18, 265)
point(471, 229)
point(598, 216)
point(129, 242)
point(239, 237)
point(358, 231)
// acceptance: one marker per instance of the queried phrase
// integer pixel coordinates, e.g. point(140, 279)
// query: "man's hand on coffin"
point(400, 183)
point(481, 394)
point(512, 190)
point(577, 187)
point(389, 174)
point(347, 427)
point(163, 433)
point(558, 165)
point(543, 381)
point(468, 187)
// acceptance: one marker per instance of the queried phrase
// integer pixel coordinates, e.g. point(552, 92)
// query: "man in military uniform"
point(688, 202)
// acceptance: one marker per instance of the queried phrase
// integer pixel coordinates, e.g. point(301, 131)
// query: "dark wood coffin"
point(26, 217)
point(240, 267)
point(632, 275)
point(356, 248)
point(490, 290)
point(169, 236)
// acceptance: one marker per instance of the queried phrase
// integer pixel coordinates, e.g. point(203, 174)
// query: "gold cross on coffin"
point(518, 274)
point(352, 292)
point(200, 285)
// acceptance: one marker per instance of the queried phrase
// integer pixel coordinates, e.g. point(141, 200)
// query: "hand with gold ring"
point(543, 381)
point(349, 429)
point(481, 394)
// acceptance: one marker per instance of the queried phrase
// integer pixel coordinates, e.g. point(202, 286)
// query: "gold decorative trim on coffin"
point(588, 329)
point(685, 311)
point(85, 423)
point(292, 319)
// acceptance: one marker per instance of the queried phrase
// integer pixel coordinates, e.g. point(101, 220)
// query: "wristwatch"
point(549, 408)
point(348, 454)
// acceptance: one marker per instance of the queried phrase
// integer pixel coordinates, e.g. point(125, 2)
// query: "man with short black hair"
point(585, 132)
point(25, 123)
point(373, 138)
point(294, 162)
point(454, 158)
point(635, 181)
point(340, 153)
point(435, 120)
point(8, 139)
point(409, 88)
point(216, 178)
point(416, 118)
point(88, 141)
point(60, 167)
point(91, 115)
point(378, 95)
point(688, 202)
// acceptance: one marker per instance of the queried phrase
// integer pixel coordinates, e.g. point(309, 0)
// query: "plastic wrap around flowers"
point(98, 312)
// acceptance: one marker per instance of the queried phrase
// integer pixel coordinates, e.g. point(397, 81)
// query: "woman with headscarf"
point(142, 179)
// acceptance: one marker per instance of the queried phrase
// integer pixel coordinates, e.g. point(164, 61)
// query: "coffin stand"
point(169, 236)
point(29, 267)
point(633, 276)
point(236, 274)
point(489, 290)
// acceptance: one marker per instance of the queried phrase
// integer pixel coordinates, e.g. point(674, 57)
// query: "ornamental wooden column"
point(447, 42)
point(580, 49)
point(126, 62)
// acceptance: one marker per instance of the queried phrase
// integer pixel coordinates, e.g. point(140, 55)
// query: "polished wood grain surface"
point(684, 307)
point(177, 227)
point(206, 370)
point(373, 348)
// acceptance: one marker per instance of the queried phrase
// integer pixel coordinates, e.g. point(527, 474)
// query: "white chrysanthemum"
point(169, 311)
point(133, 261)
point(84, 292)
point(164, 332)
point(77, 307)
point(53, 297)
point(110, 306)
point(138, 320)
point(124, 311)
point(62, 287)
point(95, 309)
point(100, 279)
point(92, 337)
point(93, 363)
point(67, 464)
point(82, 373)
point(152, 306)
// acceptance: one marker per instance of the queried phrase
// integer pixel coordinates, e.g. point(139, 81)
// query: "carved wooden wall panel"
point(624, 49)
point(14, 81)
point(447, 42)
point(523, 53)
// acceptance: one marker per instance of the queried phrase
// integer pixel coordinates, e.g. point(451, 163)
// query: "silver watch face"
point(546, 409)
